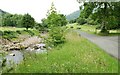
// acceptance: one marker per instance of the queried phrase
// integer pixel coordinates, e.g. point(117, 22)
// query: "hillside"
point(73, 15)
point(2, 12)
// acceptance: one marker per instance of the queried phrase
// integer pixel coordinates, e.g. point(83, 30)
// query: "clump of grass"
point(77, 55)
point(9, 35)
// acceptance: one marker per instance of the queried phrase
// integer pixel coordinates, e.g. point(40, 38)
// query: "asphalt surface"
point(109, 44)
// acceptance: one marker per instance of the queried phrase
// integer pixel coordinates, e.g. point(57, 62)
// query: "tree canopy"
point(28, 21)
point(54, 18)
point(105, 13)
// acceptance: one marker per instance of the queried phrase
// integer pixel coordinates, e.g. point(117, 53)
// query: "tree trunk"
point(104, 22)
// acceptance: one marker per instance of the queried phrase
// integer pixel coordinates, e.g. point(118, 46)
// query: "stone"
point(12, 54)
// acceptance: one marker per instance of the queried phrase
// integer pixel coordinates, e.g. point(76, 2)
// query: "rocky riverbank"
point(13, 49)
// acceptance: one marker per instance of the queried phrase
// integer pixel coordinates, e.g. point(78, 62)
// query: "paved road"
point(107, 43)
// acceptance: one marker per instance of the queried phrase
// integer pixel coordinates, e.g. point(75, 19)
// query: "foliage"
point(29, 32)
point(91, 22)
point(72, 21)
point(105, 13)
point(54, 19)
point(81, 21)
point(112, 23)
point(8, 20)
point(54, 23)
point(15, 34)
point(88, 8)
point(28, 21)
point(56, 36)
point(9, 35)
point(12, 20)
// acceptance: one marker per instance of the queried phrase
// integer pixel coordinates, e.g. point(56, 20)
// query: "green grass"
point(88, 28)
point(12, 33)
point(10, 29)
point(77, 55)
point(92, 29)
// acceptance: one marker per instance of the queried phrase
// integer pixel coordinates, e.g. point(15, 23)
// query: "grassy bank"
point(92, 29)
point(12, 33)
point(77, 55)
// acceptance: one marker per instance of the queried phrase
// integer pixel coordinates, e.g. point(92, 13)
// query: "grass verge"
point(92, 29)
point(77, 55)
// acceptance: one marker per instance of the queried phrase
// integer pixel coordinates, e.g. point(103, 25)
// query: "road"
point(109, 44)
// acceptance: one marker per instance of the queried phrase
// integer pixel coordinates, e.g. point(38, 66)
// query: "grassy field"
point(92, 29)
point(77, 55)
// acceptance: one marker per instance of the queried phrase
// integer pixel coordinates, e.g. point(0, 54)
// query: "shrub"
point(29, 32)
point(56, 36)
point(9, 35)
point(91, 22)
point(81, 21)
point(19, 32)
point(78, 28)
point(71, 27)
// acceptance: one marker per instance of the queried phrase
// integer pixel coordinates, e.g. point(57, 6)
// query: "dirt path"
point(107, 43)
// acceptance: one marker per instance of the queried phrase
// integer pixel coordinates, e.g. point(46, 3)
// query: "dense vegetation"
point(55, 22)
point(104, 14)
point(15, 20)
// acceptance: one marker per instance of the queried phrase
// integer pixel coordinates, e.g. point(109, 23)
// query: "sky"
point(38, 8)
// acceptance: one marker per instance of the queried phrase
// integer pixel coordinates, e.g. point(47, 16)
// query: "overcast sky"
point(38, 8)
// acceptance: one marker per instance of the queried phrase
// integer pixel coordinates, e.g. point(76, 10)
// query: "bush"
point(19, 32)
point(9, 35)
point(29, 32)
point(56, 36)
point(81, 21)
point(92, 22)
point(78, 28)
point(71, 27)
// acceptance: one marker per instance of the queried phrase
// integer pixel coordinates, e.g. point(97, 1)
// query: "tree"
point(18, 20)
point(55, 19)
point(54, 22)
point(8, 20)
point(102, 12)
point(28, 21)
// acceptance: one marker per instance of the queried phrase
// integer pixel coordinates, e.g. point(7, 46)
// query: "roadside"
point(107, 43)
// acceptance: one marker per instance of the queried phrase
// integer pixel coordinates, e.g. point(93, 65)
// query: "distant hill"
point(2, 12)
point(73, 15)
